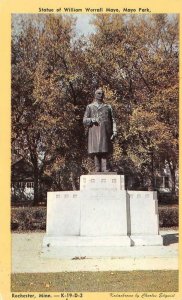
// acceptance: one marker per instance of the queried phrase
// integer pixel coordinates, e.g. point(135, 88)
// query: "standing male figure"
point(102, 130)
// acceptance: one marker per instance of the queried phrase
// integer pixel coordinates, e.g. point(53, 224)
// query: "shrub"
point(34, 218)
point(168, 216)
point(28, 218)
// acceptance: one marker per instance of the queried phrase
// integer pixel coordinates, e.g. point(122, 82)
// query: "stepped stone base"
point(100, 219)
point(144, 240)
point(80, 241)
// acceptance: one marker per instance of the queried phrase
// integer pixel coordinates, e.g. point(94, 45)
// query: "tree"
point(43, 96)
point(55, 74)
point(136, 58)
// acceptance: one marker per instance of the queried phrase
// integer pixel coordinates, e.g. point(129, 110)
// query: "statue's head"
point(99, 94)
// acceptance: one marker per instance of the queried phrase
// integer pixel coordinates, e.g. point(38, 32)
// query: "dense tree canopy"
point(55, 74)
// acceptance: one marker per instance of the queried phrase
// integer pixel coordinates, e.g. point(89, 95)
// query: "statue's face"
point(99, 95)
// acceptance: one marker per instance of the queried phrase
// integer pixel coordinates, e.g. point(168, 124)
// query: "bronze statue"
point(102, 130)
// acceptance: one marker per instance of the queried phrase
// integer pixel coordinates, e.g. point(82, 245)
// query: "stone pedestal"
point(63, 213)
point(103, 206)
point(101, 217)
point(103, 213)
point(144, 219)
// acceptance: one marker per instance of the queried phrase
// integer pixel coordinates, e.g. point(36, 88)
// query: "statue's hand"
point(95, 121)
point(114, 135)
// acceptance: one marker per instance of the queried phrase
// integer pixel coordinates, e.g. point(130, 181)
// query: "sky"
point(83, 26)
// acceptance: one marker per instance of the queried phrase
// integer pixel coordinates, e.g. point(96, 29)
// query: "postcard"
point(90, 158)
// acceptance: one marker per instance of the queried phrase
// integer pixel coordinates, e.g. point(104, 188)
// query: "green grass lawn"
point(133, 281)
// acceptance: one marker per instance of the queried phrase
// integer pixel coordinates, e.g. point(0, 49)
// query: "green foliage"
point(34, 218)
point(55, 74)
point(137, 59)
point(28, 218)
point(168, 216)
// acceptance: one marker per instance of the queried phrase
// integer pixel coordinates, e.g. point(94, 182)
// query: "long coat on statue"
point(100, 132)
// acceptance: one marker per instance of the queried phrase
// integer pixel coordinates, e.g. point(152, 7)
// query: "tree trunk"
point(36, 186)
point(173, 178)
point(172, 168)
point(149, 182)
